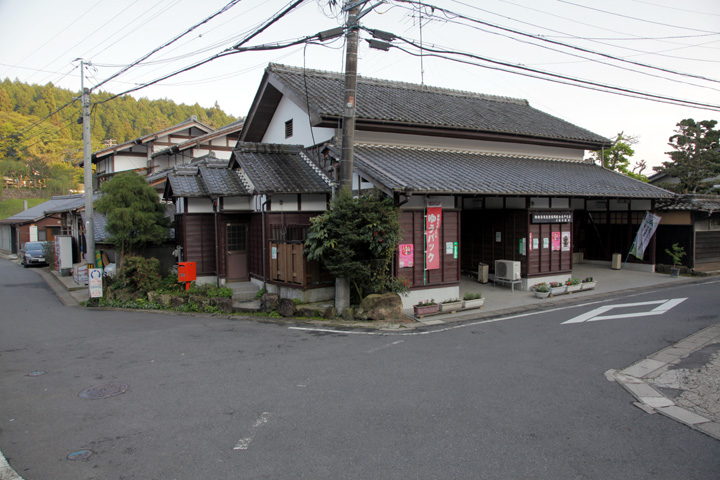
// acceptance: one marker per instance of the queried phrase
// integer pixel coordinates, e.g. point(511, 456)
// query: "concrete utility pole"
point(87, 169)
point(348, 135)
point(342, 285)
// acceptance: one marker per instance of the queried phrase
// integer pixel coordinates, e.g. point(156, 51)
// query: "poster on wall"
point(530, 243)
point(565, 239)
point(406, 255)
point(536, 243)
point(556, 241)
point(433, 221)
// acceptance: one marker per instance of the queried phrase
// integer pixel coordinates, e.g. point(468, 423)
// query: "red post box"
point(186, 273)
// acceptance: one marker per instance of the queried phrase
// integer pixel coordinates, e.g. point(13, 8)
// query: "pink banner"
point(406, 255)
point(432, 237)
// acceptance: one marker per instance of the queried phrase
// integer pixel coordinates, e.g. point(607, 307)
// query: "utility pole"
point(87, 169)
point(342, 285)
point(348, 135)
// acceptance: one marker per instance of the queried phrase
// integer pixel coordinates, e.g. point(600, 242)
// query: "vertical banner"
point(433, 220)
point(556, 241)
point(644, 234)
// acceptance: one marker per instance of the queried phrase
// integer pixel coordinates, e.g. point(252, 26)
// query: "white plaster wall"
point(237, 203)
point(288, 110)
point(313, 203)
point(199, 205)
point(123, 163)
point(382, 138)
point(284, 203)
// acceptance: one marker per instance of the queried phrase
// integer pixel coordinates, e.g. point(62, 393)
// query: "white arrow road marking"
point(244, 443)
point(597, 314)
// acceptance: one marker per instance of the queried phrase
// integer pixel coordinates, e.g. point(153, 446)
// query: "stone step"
point(243, 291)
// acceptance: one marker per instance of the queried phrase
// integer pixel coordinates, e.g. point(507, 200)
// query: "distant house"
point(503, 181)
point(137, 155)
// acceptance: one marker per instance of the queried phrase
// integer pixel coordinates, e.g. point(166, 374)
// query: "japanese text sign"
point(433, 221)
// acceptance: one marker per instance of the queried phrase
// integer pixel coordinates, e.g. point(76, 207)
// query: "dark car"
point(34, 254)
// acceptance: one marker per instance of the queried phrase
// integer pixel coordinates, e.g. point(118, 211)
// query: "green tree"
point(618, 156)
point(695, 157)
point(356, 239)
point(134, 214)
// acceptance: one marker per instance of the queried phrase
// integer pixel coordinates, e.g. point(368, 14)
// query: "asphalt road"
point(217, 398)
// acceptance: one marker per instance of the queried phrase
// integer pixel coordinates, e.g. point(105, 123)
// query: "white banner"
point(645, 233)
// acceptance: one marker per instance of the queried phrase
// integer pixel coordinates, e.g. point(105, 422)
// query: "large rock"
point(286, 307)
point(386, 306)
point(224, 304)
point(269, 302)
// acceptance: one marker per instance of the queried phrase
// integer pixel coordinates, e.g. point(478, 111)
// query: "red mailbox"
point(186, 273)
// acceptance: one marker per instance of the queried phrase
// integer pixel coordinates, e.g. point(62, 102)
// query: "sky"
point(661, 48)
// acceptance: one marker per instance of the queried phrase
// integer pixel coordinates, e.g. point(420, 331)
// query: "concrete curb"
point(636, 380)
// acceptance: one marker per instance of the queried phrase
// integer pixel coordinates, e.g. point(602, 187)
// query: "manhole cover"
point(36, 373)
point(103, 391)
point(80, 455)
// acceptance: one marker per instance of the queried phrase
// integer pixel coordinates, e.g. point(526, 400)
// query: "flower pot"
point(542, 294)
point(557, 290)
point(475, 303)
point(421, 311)
point(588, 285)
point(572, 288)
point(450, 307)
point(674, 272)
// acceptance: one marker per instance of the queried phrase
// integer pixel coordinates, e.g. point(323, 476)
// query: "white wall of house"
point(284, 203)
point(289, 110)
point(199, 205)
point(313, 203)
point(235, 204)
point(124, 163)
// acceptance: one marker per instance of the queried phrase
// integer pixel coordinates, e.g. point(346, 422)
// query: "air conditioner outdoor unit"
point(507, 270)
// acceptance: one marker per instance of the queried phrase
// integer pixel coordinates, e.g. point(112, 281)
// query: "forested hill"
point(38, 146)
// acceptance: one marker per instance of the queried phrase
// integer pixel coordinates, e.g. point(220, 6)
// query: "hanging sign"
point(433, 221)
point(551, 217)
point(406, 255)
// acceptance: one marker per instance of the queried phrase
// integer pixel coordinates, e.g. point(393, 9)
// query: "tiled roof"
point(419, 105)
point(207, 177)
point(62, 203)
point(458, 172)
point(280, 169)
point(690, 202)
point(226, 130)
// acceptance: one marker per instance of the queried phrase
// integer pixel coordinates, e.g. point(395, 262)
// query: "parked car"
point(33, 253)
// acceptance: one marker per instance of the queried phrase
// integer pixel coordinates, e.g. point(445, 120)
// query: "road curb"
point(636, 380)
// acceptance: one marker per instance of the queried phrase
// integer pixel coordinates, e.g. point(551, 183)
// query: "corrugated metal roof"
point(437, 171)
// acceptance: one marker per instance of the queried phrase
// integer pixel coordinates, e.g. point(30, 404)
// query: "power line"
point(543, 39)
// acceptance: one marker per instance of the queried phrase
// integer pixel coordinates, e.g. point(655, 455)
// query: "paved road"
point(214, 398)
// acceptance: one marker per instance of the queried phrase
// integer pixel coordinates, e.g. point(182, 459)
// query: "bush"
point(139, 274)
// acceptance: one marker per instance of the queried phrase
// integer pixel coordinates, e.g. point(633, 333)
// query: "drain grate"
point(36, 373)
point(103, 391)
point(80, 455)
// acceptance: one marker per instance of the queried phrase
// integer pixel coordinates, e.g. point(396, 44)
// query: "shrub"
point(472, 296)
point(139, 273)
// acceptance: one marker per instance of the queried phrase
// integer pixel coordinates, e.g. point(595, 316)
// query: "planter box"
point(557, 290)
point(476, 303)
point(588, 285)
point(450, 307)
point(573, 288)
point(426, 310)
point(542, 294)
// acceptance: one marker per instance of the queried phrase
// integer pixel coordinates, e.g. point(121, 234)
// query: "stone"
point(286, 307)
point(329, 313)
point(269, 302)
point(224, 304)
point(386, 306)
point(176, 302)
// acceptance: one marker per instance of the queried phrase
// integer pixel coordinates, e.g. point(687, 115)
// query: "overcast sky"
point(662, 48)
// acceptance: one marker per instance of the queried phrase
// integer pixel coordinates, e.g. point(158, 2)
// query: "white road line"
point(6, 471)
point(597, 314)
point(387, 345)
point(244, 443)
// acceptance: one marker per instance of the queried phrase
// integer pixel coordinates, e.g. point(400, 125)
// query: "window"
point(289, 128)
point(236, 238)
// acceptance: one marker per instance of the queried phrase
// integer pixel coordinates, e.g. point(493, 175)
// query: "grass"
point(12, 206)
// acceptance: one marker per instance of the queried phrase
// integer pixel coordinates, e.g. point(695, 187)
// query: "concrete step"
point(243, 291)
point(246, 307)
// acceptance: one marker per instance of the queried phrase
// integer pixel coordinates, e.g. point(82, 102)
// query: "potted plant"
point(676, 254)
point(588, 283)
point(451, 305)
point(542, 290)
point(556, 288)
point(426, 307)
point(573, 285)
point(473, 300)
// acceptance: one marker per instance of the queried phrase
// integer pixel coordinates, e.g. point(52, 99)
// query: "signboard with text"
point(95, 282)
